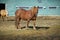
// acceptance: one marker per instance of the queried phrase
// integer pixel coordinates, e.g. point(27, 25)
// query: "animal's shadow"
point(11, 20)
point(37, 27)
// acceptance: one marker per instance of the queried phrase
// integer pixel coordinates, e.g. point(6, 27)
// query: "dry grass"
point(30, 34)
point(8, 30)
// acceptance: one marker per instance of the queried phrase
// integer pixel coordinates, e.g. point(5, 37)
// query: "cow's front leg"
point(34, 27)
point(27, 24)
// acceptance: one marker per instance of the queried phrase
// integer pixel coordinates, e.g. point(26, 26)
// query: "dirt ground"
point(48, 28)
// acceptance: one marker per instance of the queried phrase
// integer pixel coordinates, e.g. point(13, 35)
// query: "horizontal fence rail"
point(50, 7)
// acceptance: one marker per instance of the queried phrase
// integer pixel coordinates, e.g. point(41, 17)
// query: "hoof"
point(34, 28)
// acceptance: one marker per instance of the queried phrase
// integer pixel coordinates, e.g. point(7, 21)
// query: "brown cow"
point(3, 13)
point(26, 15)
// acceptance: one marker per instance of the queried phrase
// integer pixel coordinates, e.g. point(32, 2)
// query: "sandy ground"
point(48, 28)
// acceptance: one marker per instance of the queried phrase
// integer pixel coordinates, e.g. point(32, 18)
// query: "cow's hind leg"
point(19, 23)
point(3, 18)
point(6, 17)
point(16, 22)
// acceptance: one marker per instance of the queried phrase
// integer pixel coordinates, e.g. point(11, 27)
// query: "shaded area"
point(31, 27)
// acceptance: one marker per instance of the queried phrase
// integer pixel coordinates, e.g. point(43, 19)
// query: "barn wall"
point(12, 4)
